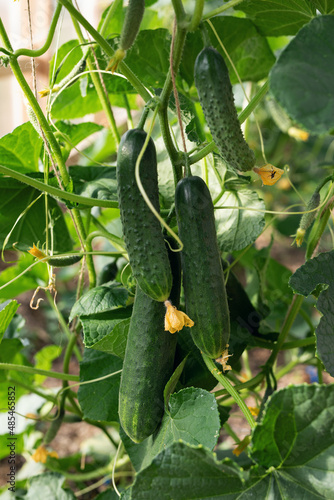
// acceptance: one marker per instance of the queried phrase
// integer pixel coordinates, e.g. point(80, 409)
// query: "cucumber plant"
point(152, 205)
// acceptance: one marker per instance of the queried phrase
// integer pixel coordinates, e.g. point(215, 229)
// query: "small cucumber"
point(203, 279)
point(142, 231)
point(133, 18)
point(68, 260)
point(148, 363)
point(216, 97)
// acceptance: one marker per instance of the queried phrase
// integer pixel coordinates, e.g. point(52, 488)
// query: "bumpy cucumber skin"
point(203, 279)
point(216, 97)
point(142, 231)
point(68, 260)
point(148, 362)
point(133, 18)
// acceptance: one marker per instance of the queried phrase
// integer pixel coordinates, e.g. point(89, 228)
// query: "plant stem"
point(135, 82)
point(97, 82)
point(245, 385)
point(56, 192)
point(224, 381)
point(109, 16)
point(82, 236)
point(197, 15)
point(223, 8)
point(33, 370)
point(288, 321)
point(179, 10)
point(42, 50)
point(317, 230)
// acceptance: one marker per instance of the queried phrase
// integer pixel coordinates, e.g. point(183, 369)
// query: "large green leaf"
point(278, 17)
point(7, 311)
point(15, 197)
point(100, 299)
point(48, 485)
point(238, 228)
point(301, 79)
point(314, 272)
point(185, 472)
point(20, 149)
point(74, 133)
point(295, 436)
point(95, 182)
point(99, 400)
point(192, 417)
point(108, 331)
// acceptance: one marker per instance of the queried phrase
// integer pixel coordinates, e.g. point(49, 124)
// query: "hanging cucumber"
point(142, 231)
point(203, 278)
point(216, 97)
point(148, 363)
point(130, 29)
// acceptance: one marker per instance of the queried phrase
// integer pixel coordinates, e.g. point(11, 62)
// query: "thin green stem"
point(89, 258)
point(128, 111)
point(58, 193)
point(179, 10)
point(133, 79)
point(223, 8)
point(224, 381)
point(288, 322)
point(317, 230)
point(110, 14)
point(255, 381)
point(33, 370)
point(42, 50)
point(98, 84)
point(117, 242)
point(197, 15)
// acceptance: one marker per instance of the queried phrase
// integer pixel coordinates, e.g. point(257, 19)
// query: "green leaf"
point(192, 417)
point(44, 358)
point(65, 58)
point(107, 332)
point(48, 485)
point(95, 182)
point(295, 436)
point(75, 133)
point(21, 149)
point(301, 79)
point(99, 400)
point(185, 472)
point(324, 6)
point(276, 18)
point(32, 279)
point(238, 228)
point(172, 382)
point(30, 228)
point(100, 299)
point(314, 272)
point(7, 311)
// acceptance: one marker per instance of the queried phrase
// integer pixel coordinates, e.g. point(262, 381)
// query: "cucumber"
point(133, 18)
point(203, 279)
point(148, 363)
point(67, 260)
point(216, 97)
point(142, 231)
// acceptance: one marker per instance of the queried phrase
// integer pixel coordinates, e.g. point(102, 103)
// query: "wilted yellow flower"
point(269, 174)
point(297, 133)
point(254, 410)
point(242, 446)
point(41, 454)
point(299, 237)
point(33, 416)
point(36, 252)
point(223, 359)
point(44, 92)
point(115, 60)
point(175, 320)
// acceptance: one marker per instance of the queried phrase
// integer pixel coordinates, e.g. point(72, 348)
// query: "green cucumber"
point(203, 278)
point(148, 363)
point(216, 97)
point(142, 231)
point(133, 18)
point(64, 261)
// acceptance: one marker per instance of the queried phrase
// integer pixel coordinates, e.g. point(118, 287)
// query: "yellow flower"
point(254, 410)
point(175, 320)
point(115, 60)
point(299, 237)
point(297, 133)
point(223, 359)
point(41, 454)
point(269, 174)
point(36, 252)
point(44, 92)
point(242, 446)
